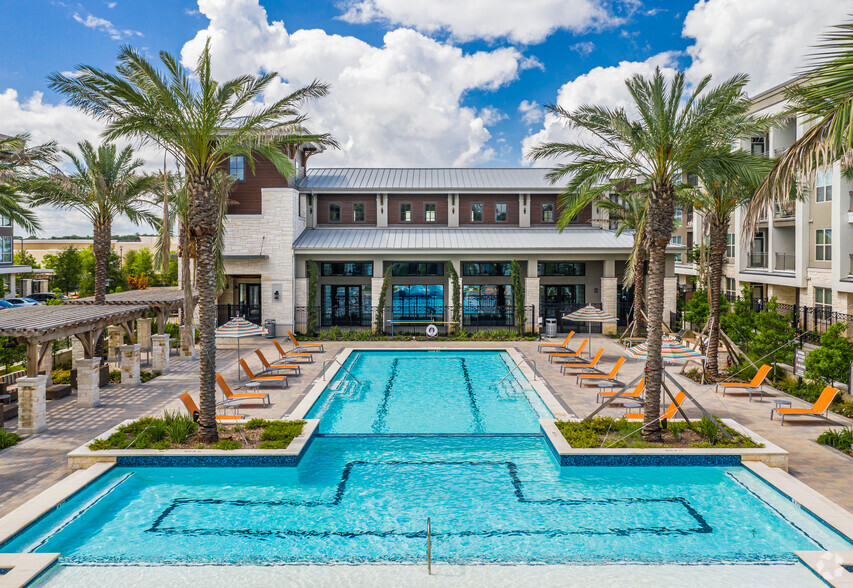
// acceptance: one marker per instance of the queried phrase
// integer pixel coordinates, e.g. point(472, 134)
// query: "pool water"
point(490, 500)
point(383, 392)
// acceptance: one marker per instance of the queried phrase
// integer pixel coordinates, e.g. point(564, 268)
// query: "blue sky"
point(439, 83)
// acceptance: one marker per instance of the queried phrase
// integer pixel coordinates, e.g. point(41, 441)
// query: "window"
point(679, 214)
point(758, 145)
point(236, 164)
point(500, 268)
point(561, 296)
point(358, 212)
point(547, 213)
point(405, 212)
point(730, 245)
point(429, 212)
point(347, 269)
point(677, 240)
point(487, 304)
point(418, 301)
point(731, 288)
point(334, 212)
point(476, 213)
point(5, 222)
point(561, 268)
point(822, 303)
point(417, 269)
point(824, 186)
point(823, 245)
point(500, 212)
point(5, 249)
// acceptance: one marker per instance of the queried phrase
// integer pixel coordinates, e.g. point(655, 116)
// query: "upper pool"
point(382, 392)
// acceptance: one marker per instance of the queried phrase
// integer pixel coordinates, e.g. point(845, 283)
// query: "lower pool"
point(490, 500)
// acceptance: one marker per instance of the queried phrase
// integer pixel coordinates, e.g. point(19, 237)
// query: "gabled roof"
point(378, 179)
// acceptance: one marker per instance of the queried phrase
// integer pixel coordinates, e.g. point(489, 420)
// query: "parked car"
point(45, 296)
point(21, 302)
point(6, 304)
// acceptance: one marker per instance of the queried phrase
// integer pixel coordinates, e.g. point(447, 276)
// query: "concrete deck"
point(38, 462)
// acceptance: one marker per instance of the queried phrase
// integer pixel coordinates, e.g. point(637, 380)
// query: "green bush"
point(226, 444)
point(256, 423)
point(146, 376)
point(831, 361)
point(61, 376)
point(842, 439)
point(282, 431)
point(708, 429)
point(115, 376)
point(808, 391)
point(8, 439)
point(180, 429)
point(164, 444)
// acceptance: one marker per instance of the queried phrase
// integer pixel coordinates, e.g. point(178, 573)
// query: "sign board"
point(800, 359)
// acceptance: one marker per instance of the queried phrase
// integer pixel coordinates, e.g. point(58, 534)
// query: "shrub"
point(164, 444)
point(842, 439)
point(831, 361)
point(8, 439)
point(256, 423)
point(282, 431)
point(115, 376)
point(226, 444)
point(708, 429)
point(180, 429)
point(61, 376)
point(156, 431)
point(146, 376)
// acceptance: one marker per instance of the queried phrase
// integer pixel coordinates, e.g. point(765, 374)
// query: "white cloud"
point(584, 48)
point(491, 115)
point(399, 104)
point(531, 112)
point(524, 22)
point(603, 86)
point(102, 24)
point(111, 4)
point(767, 39)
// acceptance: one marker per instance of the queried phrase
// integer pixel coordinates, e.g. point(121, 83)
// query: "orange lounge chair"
point(669, 414)
point(194, 411)
point(588, 368)
point(264, 397)
point(819, 409)
point(597, 378)
point(752, 386)
point(297, 346)
point(635, 395)
point(569, 354)
point(272, 370)
point(564, 345)
point(285, 356)
point(261, 379)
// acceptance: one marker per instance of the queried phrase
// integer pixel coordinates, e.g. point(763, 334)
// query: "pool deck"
point(40, 461)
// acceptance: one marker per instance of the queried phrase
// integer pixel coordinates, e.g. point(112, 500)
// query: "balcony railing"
point(850, 267)
point(785, 212)
point(785, 262)
point(757, 259)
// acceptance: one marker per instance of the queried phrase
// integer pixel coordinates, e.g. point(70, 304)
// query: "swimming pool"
point(382, 392)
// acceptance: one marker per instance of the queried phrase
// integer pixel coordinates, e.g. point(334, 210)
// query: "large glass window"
point(487, 304)
point(417, 301)
point(406, 212)
point(347, 269)
point(5, 249)
point(334, 212)
point(561, 268)
point(403, 269)
point(236, 166)
point(476, 213)
point(823, 244)
point(823, 186)
point(346, 306)
point(547, 213)
point(823, 304)
point(500, 212)
point(429, 212)
point(358, 212)
point(560, 296)
point(499, 268)
point(677, 240)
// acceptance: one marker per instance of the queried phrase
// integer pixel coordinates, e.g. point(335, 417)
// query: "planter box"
point(57, 391)
point(83, 457)
point(770, 454)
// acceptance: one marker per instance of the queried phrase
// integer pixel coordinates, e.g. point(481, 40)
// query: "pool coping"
point(537, 382)
point(25, 567)
point(771, 454)
point(83, 457)
point(829, 566)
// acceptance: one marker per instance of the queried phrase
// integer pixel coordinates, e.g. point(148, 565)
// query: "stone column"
point(77, 352)
point(143, 332)
point(160, 353)
point(609, 291)
point(670, 293)
point(46, 366)
point(88, 387)
point(115, 336)
point(130, 364)
point(187, 342)
point(32, 407)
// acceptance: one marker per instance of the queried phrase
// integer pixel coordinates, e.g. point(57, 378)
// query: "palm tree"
point(105, 184)
point(17, 161)
point(671, 132)
point(200, 123)
point(629, 212)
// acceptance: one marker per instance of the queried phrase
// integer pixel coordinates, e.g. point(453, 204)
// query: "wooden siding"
point(246, 194)
point(488, 201)
point(346, 201)
point(418, 211)
point(536, 202)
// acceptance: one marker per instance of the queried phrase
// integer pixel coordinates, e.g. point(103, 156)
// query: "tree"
point(105, 183)
point(142, 264)
point(116, 279)
point(673, 131)
point(380, 302)
point(517, 295)
point(830, 362)
point(17, 162)
point(456, 297)
point(200, 123)
point(739, 324)
point(24, 257)
point(67, 267)
point(773, 335)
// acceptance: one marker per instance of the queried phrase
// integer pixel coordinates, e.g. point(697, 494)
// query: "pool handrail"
point(343, 367)
point(517, 365)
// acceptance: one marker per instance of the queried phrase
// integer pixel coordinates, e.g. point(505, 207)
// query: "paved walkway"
point(38, 462)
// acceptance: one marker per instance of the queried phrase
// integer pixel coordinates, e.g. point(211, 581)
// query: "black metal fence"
point(226, 312)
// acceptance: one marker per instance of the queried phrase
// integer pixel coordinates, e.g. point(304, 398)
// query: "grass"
point(178, 430)
point(613, 433)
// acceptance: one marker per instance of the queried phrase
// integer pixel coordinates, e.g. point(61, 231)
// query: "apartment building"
point(355, 223)
point(802, 253)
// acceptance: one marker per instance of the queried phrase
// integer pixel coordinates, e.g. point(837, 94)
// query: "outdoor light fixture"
point(275, 295)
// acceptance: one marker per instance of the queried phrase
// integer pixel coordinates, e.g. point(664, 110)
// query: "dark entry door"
point(249, 299)
point(342, 306)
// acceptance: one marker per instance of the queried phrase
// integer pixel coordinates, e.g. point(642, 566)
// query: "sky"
point(435, 83)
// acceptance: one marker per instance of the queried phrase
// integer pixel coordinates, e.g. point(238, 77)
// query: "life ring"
point(431, 331)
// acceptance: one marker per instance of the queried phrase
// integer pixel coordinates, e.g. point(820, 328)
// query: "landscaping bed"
point(842, 440)
point(606, 432)
point(178, 431)
point(338, 334)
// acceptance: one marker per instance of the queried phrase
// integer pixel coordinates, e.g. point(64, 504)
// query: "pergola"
point(163, 301)
point(38, 326)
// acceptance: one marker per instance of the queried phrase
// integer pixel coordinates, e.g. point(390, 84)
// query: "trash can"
point(269, 325)
point(550, 327)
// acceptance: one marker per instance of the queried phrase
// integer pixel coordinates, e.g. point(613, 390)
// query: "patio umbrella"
point(237, 328)
point(672, 351)
point(589, 314)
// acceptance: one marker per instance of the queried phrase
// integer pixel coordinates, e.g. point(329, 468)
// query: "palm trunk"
point(658, 233)
point(719, 230)
point(186, 282)
point(639, 291)
point(203, 215)
point(102, 235)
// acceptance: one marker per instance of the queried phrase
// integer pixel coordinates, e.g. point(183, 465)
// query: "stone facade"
point(187, 342)
point(115, 340)
point(609, 292)
point(88, 387)
point(160, 355)
point(130, 364)
point(32, 406)
point(143, 332)
point(77, 351)
point(46, 366)
point(670, 294)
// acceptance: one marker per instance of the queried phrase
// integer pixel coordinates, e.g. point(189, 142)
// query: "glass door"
point(344, 305)
point(249, 300)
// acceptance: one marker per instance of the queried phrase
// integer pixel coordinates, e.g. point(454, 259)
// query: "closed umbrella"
point(237, 328)
point(589, 314)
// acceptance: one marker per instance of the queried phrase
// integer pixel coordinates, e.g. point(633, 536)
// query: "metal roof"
point(579, 239)
point(379, 179)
